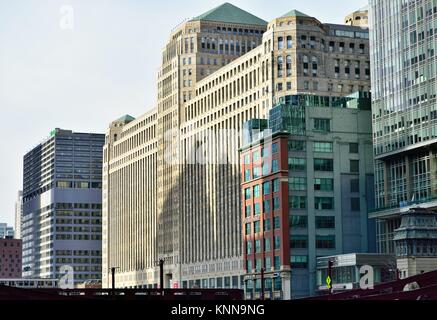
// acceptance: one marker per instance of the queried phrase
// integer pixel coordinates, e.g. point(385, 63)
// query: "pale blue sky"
point(105, 67)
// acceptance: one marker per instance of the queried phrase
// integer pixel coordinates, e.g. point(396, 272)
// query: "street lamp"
point(160, 263)
point(113, 276)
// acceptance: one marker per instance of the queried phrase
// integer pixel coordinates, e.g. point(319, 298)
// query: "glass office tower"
point(403, 43)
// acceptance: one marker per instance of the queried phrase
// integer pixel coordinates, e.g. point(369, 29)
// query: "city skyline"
point(41, 62)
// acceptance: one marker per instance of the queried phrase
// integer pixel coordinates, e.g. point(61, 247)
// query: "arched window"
point(280, 43)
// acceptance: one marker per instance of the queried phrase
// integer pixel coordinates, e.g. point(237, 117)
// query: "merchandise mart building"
point(209, 82)
point(404, 87)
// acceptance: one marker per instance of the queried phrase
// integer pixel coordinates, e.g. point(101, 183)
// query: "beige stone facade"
point(206, 84)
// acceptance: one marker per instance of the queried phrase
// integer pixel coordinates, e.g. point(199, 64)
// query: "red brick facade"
point(10, 258)
point(267, 206)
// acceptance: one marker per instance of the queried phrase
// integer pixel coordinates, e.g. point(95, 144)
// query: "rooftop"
point(230, 14)
point(295, 13)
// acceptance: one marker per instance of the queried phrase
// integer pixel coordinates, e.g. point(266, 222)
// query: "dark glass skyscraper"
point(61, 222)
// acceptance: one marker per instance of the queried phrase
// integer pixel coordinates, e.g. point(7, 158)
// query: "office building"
point(18, 214)
point(404, 111)
point(62, 204)
point(6, 231)
point(219, 70)
point(307, 183)
point(10, 258)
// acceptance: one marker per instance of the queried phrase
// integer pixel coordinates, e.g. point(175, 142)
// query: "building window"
point(325, 242)
point(266, 206)
point(257, 209)
point(289, 42)
point(323, 165)
point(247, 193)
point(298, 202)
point(266, 168)
point(299, 262)
point(256, 191)
point(280, 43)
point(354, 166)
point(267, 246)
point(296, 145)
point(266, 188)
point(323, 125)
point(256, 156)
point(353, 147)
point(248, 266)
point(275, 203)
point(275, 148)
point(298, 222)
point(249, 248)
point(277, 263)
point(275, 166)
point(257, 227)
point(325, 222)
point(323, 184)
point(323, 146)
point(247, 175)
point(257, 246)
point(268, 263)
point(247, 159)
point(297, 164)
point(355, 204)
point(277, 244)
point(248, 211)
point(298, 184)
point(256, 172)
point(277, 222)
point(275, 185)
point(324, 203)
point(299, 242)
point(267, 225)
point(248, 229)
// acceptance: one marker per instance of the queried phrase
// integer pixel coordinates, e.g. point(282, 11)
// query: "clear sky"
point(106, 66)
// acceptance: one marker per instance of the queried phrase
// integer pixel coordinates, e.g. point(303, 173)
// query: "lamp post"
point(113, 277)
point(160, 263)
point(262, 283)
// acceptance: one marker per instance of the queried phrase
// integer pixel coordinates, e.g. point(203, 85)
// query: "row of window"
point(266, 225)
point(258, 245)
point(266, 207)
point(265, 152)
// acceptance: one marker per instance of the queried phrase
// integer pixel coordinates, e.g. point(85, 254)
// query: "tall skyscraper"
point(62, 204)
point(404, 116)
point(219, 70)
point(18, 214)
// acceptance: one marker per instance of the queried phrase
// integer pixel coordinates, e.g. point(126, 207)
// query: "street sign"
point(328, 282)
